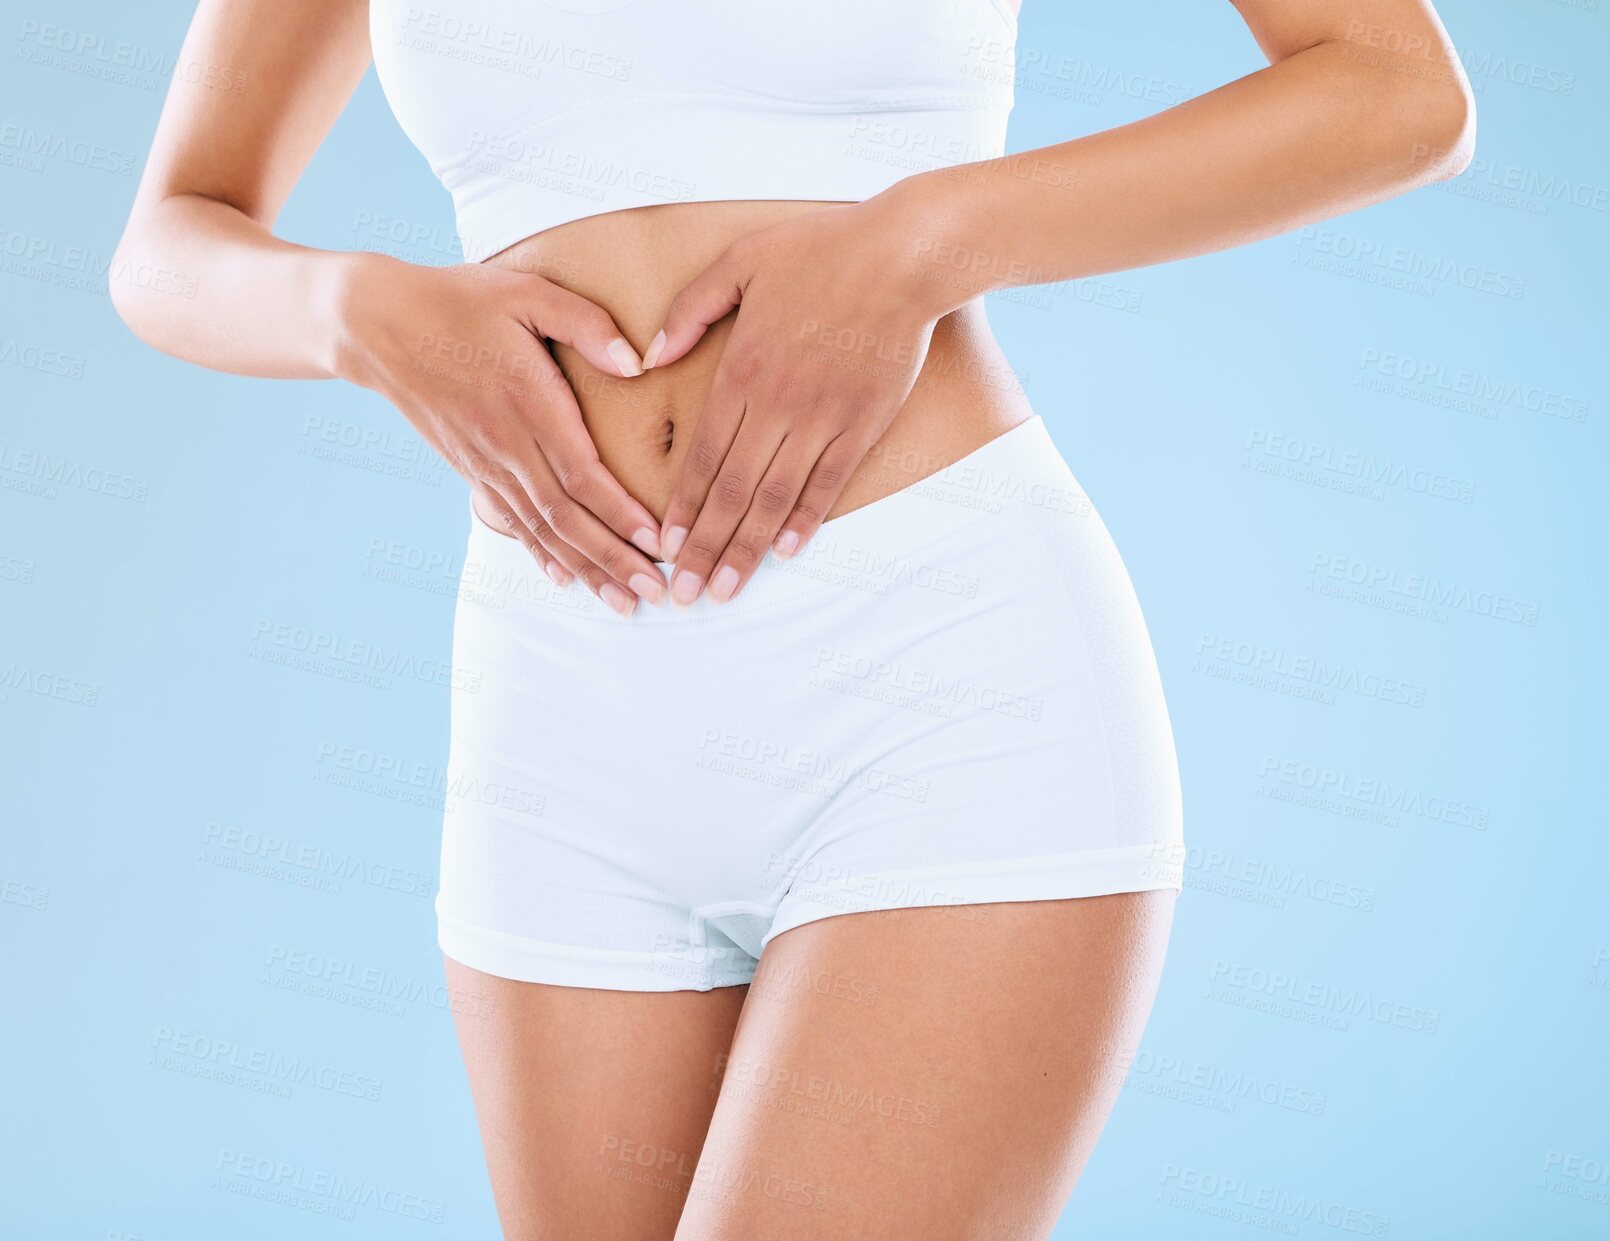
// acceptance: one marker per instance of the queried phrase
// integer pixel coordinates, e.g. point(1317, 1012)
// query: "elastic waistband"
point(873, 548)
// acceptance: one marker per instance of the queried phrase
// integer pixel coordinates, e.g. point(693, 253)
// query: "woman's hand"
point(461, 352)
point(831, 333)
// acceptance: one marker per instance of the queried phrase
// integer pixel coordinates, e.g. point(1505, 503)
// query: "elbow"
point(1446, 131)
point(1415, 114)
point(121, 293)
point(118, 292)
point(127, 294)
point(1434, 117)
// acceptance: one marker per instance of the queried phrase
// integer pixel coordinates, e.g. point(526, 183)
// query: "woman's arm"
point(459, 350)
point(221, 166)
point(1363, 99)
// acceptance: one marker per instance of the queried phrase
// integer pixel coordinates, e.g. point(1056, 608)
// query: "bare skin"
point(592, 1105)
point(635, 262)
point(1363, 100)
point(859, 1089)
point(1010, 1027)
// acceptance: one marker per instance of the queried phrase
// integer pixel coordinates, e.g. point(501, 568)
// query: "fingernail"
point(674, 538)
point(787, 544)
point(624, 357)
point(616, 598)
point(685, 588)
point(556, 575)
point(650, 588)
point(655, 348)
point(724, 583)
point(647, 541)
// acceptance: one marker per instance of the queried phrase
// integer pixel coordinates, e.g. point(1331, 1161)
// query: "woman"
point(722, 315)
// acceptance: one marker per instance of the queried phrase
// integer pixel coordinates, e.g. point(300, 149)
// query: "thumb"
point(586, 327)
point(711, 295)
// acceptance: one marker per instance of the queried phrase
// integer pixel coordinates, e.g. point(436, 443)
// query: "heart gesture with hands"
point(830, 334)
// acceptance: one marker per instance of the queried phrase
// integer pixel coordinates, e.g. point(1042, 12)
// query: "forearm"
point(1322, 132)
point(201, 280)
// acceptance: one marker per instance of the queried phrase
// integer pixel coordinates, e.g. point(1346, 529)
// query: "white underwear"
point(948, 698)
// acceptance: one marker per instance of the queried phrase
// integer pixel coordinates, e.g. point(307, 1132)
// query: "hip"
point(965, 636)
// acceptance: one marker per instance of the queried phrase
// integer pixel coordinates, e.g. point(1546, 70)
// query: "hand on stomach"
point(633, 264)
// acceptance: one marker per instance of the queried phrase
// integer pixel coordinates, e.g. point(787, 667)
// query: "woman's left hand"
point(831, 332)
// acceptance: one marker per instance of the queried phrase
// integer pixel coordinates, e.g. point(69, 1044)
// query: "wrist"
point(352, 293)
point(927, 226)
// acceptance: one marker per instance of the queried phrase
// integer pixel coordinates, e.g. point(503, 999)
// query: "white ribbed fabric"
point(947, 698)
point(535, 112)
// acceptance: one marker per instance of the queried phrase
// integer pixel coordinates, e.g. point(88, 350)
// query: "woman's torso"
point(629, 143)
point(633, 262)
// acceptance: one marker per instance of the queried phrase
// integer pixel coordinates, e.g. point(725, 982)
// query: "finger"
point(713, 435)
point(820, 493)
point(774, 501)
point(559, 429)
point(569, 562)
point(576, 565)
point(724, 507)
point(598, 582)
point(626, 573)
point(558, 314)
point(590, 484)
point(526, 493)
point(708, 297)
point(520, 529)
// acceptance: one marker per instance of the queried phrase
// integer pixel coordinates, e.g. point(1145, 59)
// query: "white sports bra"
point(535, 112)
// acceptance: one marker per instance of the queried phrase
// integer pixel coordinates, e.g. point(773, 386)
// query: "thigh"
point(937, 1072)
point(592, 1104)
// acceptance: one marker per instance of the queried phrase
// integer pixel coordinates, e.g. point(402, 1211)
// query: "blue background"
point(1438, 863)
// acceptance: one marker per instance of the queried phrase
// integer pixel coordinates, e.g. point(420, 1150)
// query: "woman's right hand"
point(461, 352)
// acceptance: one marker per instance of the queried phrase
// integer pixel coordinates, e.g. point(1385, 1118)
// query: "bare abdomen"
point(632, 263)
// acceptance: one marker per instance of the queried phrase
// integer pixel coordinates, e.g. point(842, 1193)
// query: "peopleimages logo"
point(1195, 1081)
point(1577, 1176)
point(221, 1058)
point(1326, 249)
point(281, 1178)
point(430, 29)
point(41, 358)
point(1357, 465)
point(42, 470)
point(315, 650)
point(1264, 882)
point(1461, 383)
point(1236, 1198)
point(1435, 594)
point(93, 46)
point(784, 765)
point(33, 146)
point(1269, 667)
point(1324, 997)
point(1365, 790)
point(1542, 188)
point(314, 861)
